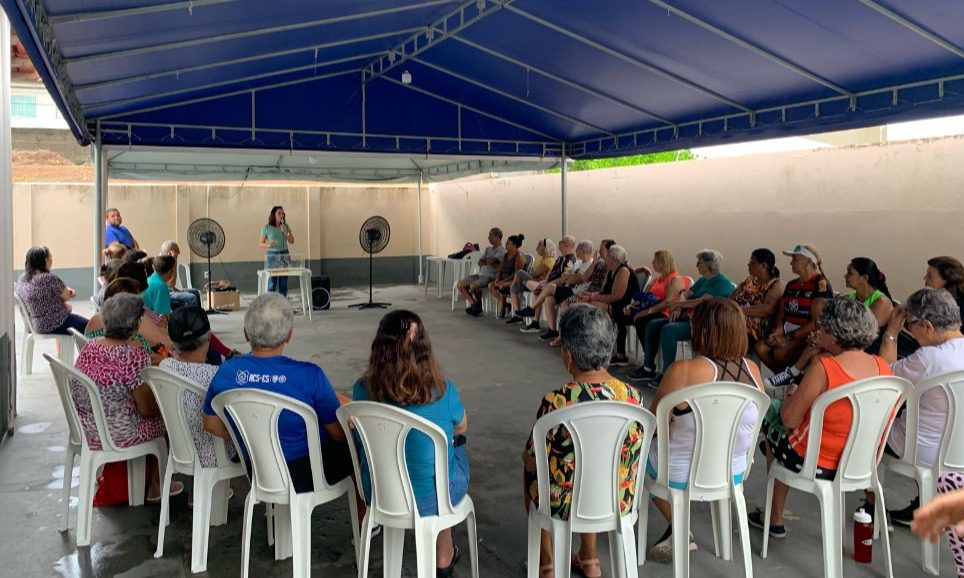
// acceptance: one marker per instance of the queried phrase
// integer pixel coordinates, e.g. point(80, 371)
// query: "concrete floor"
point(502, 374)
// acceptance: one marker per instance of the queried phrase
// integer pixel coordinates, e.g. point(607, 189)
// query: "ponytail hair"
point(875, 277)
point(766, 257)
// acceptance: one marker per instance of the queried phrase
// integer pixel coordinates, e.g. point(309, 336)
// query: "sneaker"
point(514, 319)
point(662, 551)
point(526, 312)
point(548, 335)
point(641, 373)
point(531, 327)
point(755, 519)
point(475, 310)
point(785, 377)
point(376, 531)
point(617, 360)
point(905, 516)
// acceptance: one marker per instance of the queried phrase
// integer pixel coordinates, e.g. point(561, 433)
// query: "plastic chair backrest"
point(170, 390)
point(530, 259)
point(62, 381)
point(687, 282)
point(184, 276)
point(950, 455)
point(643, 278)
point(874, 401)
point(79, 339)
point(718, 409)
point(382, 430)
point(24, 313)
point(598, 431)
point(254, 414)
point(67, 379)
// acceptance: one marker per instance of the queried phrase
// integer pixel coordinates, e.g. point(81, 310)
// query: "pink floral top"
point(115, 369)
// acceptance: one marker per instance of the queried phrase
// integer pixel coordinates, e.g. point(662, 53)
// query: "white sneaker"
point(785, 377)
point(663, 551)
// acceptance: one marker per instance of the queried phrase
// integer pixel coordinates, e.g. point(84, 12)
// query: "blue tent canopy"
point(523, 78)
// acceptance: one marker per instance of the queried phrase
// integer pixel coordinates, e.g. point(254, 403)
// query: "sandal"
point(176, 489)
point(557, 342)
point(447, 571)
point(590, 567)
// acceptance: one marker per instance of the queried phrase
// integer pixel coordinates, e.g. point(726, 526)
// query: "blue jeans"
point(277, 261)
point(73, 321)
point(651, 341)
point(185, 298)
point(664, 335)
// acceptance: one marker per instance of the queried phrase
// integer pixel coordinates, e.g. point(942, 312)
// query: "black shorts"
point(790, 459)
point(336, 458)
point(562, 293)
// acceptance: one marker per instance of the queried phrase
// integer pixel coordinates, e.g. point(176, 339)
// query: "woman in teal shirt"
point(275, 237)
point(665, 334)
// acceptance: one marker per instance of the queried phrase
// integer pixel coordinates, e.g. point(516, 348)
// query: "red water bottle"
point(863, 536)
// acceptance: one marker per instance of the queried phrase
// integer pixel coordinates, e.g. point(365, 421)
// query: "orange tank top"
point(659, 285)
point(837, 418)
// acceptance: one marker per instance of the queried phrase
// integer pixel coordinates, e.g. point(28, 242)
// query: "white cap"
point(862, 517)
point(803, 251)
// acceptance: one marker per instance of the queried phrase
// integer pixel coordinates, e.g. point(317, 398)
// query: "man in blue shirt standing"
point(115, 231)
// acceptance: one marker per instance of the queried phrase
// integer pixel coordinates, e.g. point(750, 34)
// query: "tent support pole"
point(99, 200)
point(565, 191)
point(418, 202)
point(8, 372)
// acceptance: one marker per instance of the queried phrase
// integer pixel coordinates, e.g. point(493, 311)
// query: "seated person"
point(566, 286)
point(947, 273)
point(505, 276)
point(114, 362)
point(190, 334)
point(666, 289)
point(596, 278)
point(116, 250)
point(157, 296)
point(933, 317)
point(665, 333)
point(587, 341)
point(563, 264)
point(759, 294)
point(108, 272)
point(543, 262)
point(179, 297)
point(134, 256)
point(403, 372)
point(150, 335)
point(45, 295)
point(268, 327)
point(471, 287)
point(800, 308)
point(620, 286)
point(845, 329)
point(719, 347)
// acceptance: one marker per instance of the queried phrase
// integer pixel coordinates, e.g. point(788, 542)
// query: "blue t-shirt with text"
point(300, 380)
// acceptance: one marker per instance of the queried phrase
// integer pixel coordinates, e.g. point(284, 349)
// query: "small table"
point(304, 274)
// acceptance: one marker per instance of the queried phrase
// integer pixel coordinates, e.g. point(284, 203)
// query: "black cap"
point(187, 323)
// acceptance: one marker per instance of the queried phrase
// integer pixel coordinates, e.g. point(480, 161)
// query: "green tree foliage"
point(632, 160)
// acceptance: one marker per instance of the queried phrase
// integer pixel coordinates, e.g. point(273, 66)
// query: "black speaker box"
point(321, 292)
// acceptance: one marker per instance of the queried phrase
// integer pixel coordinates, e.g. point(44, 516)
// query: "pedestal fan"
point(373, 237)
point(205, 237)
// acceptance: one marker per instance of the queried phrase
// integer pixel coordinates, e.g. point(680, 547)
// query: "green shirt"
point(719, 286)
point(157, 297)
point(277, 236)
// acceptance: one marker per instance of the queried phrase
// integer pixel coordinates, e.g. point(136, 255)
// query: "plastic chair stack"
point(598, 430)
point(382, 431)
point(211, 484)
point(875, 401)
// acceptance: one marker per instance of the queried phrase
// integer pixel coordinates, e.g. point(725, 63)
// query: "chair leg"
point(723, 529)
point(830, 528)
point(744, 528)
point(643, 531)
point(681, 534)
point(136, 478)
point(561, 549)
point(473, 543)
point(393, 541)
point(165, 506)
point(219, 491)
point(766, 516)
point(363, 545)
point(26, 357)
point(532, 551)
point(353, 519)
point(282, 532)
point(205, 497)
point(628, 565)
point(300, 520)
point(425, 550)
point(69, 456)
point(246, 534)
point(85, 497)
point(66, 350)
point(269, 520)
point(881, 516)
point(930, 553)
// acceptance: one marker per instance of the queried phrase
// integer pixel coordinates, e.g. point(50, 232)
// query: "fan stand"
point(211, 310)
point(371, 304)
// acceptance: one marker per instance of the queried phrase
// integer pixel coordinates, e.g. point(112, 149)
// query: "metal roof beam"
point(567, 82)
point(752, 47)
point(251, 33)
point(629, 59)
point(244, 60)
point(466, 15)
point(92, 105)
point(914, 27)
point(512, 97)
point(189, 6)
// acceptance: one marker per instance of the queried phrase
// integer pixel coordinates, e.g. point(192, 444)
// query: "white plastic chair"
point(382, 430)
point(469, 263)
point(598, 430)
point(30, 336)
point(875, 401)
point(92, 460)
point(211, 485)
point(717, 411)
point(96, 305)
point(255, 414)
point(184, 276)
point(950, 454)
point(80, 340)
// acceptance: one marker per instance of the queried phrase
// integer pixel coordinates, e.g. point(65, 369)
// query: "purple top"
point(41, 295)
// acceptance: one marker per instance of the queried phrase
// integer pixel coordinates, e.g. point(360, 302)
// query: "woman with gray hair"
point(618, 290)
point(588, 337)
point(844, 329)
point(114, 363)
point(664, 334)
point(933, 318)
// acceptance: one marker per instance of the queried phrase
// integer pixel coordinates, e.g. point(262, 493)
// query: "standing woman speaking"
point(275, 237)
